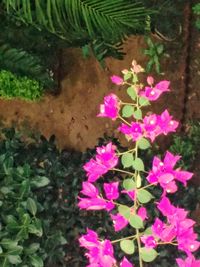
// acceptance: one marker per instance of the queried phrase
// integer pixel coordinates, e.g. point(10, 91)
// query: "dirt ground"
point(71, 115)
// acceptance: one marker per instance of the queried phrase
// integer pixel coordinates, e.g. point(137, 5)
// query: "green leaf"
point(127, 160)
point(36, 261)
point(129, 184)
point(127, 111)
point(160, 49)
point(124, 211)
point(36, 228)
point(138, 164)
point(32, 248)
point(40, 181)
point(148, 255)
point(143, 102)
point(137, 114)
point(144, 196)
point(148, 231)
point(127, 246)
point(143, 143)
point(131, 92)
point(14, 259)
point(31, 206)
point(127, 76)
point(136, 221)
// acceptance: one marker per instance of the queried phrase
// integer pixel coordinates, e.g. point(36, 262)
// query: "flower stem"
point(122, 171)
point(127, 237)
point(126, 122)
point(139, 248)
point(128, 151)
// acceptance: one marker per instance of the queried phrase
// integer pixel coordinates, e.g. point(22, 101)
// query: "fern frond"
point(24, 64)
point(75, 20)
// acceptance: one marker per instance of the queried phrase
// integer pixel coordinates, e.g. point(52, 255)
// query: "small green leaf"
point(129, 184)
point(144, 196)
point(14, 259)
point(36, 228)
point(40, 181)
point(138, 164)
point(32, 248)
point(127, 246)
point(31, 206)
point(148, 231)
point(127, 111)
point(131, 92)
point(36, 261)
point(124, 211)
point(137, 114)
point(148, 255)
point(127, 76)
point(136, 221)
point(143, 102)
point(143, 143)
point(160, 49)
point(127, 160)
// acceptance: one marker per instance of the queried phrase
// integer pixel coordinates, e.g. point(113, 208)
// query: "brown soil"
point(71, 115)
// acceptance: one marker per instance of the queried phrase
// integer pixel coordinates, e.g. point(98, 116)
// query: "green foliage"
point(24, 64)
point(196, 10)
point(154, 51)
point(102, 25)
point(12, 86)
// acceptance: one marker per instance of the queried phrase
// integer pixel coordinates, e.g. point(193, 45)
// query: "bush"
point(12, 86)
point(39, 183)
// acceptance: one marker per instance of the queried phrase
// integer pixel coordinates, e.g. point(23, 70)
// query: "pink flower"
point(111, 190)
point(105, 160)
point(142, 212)
point(149, 241)
point(89, 190)
point(153, 93)
point(188, 262)
point(155, 125)
point(151, 127)
point(163, 173)
point(126, 263)
point(150, 80)
point(100, 253)
point(95, 204)
point(119, 222)
point(136, 68)
point(110, 108)
point(116, 79)
point(166, 123)
point(134, 131)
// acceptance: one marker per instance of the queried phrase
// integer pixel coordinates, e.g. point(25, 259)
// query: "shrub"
point(12, 86)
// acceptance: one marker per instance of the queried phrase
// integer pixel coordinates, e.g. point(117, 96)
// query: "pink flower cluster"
point(151, 126)
point(153, 93)
point(110, 108)
point(163, 173)
point(178, 230)
point(96, 202)
point(105, 160)
point(100, 253)
point(120, 222)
